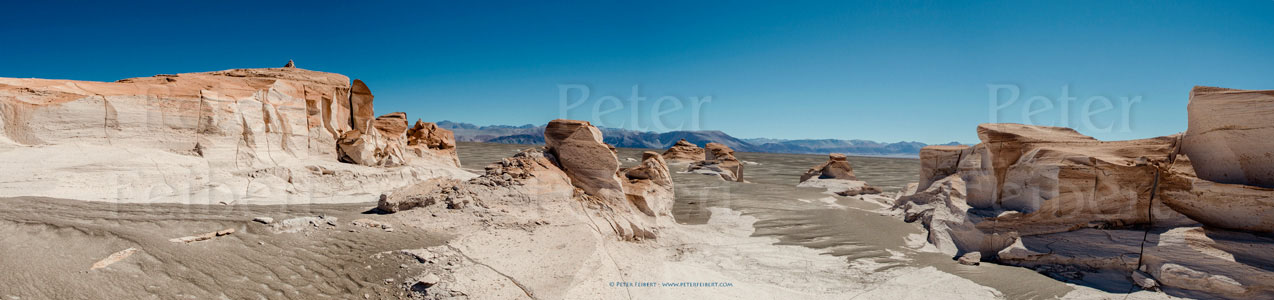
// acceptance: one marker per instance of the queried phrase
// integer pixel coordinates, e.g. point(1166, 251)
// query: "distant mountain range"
point(534, 134)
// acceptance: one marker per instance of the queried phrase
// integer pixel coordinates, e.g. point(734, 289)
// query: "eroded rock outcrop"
point(1055, 179)
point(1221, 205)
point(576, 169)
point(1229, 135)
point(591, 163)
point(648, 185)
point(938, 162)
point(391, 143)
point(836, 167)
point(1053, 199)
point(1034, 179)
point(837, 176)
point(951, 222)
point(235, 136)
point(719, 160)
point(684, 151)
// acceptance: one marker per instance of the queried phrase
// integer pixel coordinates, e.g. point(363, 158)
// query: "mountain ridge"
point(533, 134)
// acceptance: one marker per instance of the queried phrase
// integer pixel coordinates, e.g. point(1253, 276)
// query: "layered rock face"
point(1025, 180)
point(648, 186)
point(591, 163)
point(576, 168)
point(1051, 198)
point(243, 135)
point(837, 176)
point(1057, 178)
point(684, 151)
point(1228, 139)
point(719, 160)
point(1221, 205)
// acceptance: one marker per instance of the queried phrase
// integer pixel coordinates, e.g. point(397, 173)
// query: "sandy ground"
point(49, 246)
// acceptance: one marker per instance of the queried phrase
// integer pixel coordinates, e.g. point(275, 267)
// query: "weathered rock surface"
point(938, 162)
point(430, 136)
point(684, 151)
point(648, 186)
point(1230, 206)
point(841, 186)
point(575, 169)
point(361, 109)
point(1034, 179)
point(1053, 199)
point(236, 136)
point(591, 163)
point(719, 160)
point(1056, 179)
point(1191, 261)
point(1229, 136)
point(836, 167)
point(950, 221)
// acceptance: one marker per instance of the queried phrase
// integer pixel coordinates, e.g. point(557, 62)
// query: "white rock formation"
point(575, 169)
point(1229, 136)
point(235, 136)
point(1050, 198)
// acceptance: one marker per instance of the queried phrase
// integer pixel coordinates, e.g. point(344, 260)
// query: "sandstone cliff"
point(234, 136)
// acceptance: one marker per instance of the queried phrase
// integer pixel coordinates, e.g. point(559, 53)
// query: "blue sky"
point(914, 71)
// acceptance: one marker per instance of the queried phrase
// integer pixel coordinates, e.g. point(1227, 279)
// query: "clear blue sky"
point(916, 71)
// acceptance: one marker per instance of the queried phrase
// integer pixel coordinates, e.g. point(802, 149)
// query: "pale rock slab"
point(1228, 138)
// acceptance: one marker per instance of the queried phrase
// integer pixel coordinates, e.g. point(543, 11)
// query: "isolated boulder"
point(684, 151)
point(836, 167)
point(1229, 135)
